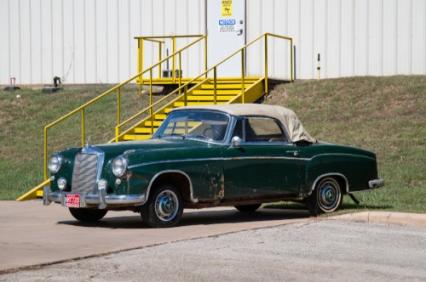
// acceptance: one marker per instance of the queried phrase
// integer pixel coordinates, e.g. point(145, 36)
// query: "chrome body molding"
point(218, 159)
point(151, 182)
point(330, 174)
point(100, 200)
point(376, 183)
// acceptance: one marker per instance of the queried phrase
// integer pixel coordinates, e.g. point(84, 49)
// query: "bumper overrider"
point(376, 183)
point(100, 200)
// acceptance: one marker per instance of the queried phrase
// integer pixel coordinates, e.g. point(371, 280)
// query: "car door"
point(265, 163)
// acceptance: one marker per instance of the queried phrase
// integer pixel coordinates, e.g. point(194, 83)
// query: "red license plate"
point(72, 200)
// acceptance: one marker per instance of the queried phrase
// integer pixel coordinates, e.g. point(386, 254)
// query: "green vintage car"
point(238, 155)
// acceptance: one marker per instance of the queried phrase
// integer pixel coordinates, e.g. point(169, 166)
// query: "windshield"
point(194, 124)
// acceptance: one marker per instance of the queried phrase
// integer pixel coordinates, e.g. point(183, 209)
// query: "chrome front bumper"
point(376, 183)
point(101, 200)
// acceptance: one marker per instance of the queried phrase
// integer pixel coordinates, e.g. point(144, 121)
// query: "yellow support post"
point(151, 112)
point(186, 95)
point(180, 67)
point(215, 84)
point(266, 64)
point(160, 51)
point(291, 60)
point(174, 59)
point(140, 58)
point(83, 127)
point(45, 153)
point(205, 55)
point(117, 133)
point(243, 72)
point(118, 112)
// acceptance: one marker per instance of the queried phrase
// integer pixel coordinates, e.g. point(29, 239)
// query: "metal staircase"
point(205, 89)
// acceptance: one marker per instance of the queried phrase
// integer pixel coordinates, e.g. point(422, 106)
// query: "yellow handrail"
point(242, 50)
point(173, 38)
point(81, 109)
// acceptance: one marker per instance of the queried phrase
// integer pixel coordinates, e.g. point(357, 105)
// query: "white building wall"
point(354, 37)
point(91, 41)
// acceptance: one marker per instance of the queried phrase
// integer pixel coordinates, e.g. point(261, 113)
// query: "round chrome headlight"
point(119, 166)
point(55, 163)
point(62, 183)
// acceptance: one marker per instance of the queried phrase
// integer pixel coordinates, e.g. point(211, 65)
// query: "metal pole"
point(117, 132)
point(83, 127)
point(45, 153)
point(266, 64)
point(205, 55)
point(291, 61)
point(215, 84)
point(118, 112)
point(151, 111)
point(185, 95)
point(160, 51)
point(180, 67)
point(243, 72)
point(141, 59)
point(173, 58)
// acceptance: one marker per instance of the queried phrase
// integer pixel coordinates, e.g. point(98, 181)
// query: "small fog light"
point(118, 181)
point(102, 184)
point(62, 183)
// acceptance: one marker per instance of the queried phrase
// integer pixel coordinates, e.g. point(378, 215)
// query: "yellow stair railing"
point(81, 110)
point(183, 90)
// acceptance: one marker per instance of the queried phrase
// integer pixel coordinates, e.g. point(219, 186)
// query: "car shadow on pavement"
point(197, 217)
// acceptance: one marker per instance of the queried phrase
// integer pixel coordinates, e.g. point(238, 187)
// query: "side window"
point(260, 129)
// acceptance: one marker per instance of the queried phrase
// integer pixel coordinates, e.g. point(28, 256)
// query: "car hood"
point(114, 149)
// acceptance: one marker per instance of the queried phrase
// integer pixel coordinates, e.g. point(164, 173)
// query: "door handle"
point(240, 32)
point(294, 152)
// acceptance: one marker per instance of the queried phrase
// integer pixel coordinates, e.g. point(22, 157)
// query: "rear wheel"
point(326, 197)
point(87, 215)
point(247, 208)
point(164, 207)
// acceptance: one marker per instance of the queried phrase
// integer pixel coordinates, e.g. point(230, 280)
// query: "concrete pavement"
point(326, 250)
point(31, 234)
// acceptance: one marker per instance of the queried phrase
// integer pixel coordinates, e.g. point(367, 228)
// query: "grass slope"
point(386, 115)
point(22, 121)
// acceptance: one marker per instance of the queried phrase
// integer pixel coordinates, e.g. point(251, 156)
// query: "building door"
point(226, 32)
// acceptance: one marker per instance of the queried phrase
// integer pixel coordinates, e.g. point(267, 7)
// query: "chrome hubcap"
point(329, 195)
point(166, 205)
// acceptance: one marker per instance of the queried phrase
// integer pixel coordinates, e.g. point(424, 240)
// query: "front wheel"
point(326, 197)
point(164, 208)
point(247, 208)
point(87, 215)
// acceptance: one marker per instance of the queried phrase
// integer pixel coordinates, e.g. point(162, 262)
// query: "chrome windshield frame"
point(225, 139)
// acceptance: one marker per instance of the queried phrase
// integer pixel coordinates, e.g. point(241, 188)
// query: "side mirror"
point(235, 142)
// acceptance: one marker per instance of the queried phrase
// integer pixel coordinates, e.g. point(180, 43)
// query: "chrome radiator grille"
point(84, 173)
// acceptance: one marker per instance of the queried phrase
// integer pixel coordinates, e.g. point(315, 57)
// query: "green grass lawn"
point(22, 121)
point(386, 115)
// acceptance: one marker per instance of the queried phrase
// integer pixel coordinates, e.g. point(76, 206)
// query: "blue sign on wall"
point(227, 22)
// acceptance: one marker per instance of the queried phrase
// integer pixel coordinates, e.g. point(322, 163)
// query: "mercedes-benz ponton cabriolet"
point(238, 155)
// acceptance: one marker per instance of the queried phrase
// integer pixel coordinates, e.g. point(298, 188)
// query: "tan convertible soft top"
point(287, 117)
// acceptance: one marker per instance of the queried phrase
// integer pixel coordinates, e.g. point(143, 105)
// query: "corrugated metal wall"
point(88, 41)
point(91, 41)
point(354, 37)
